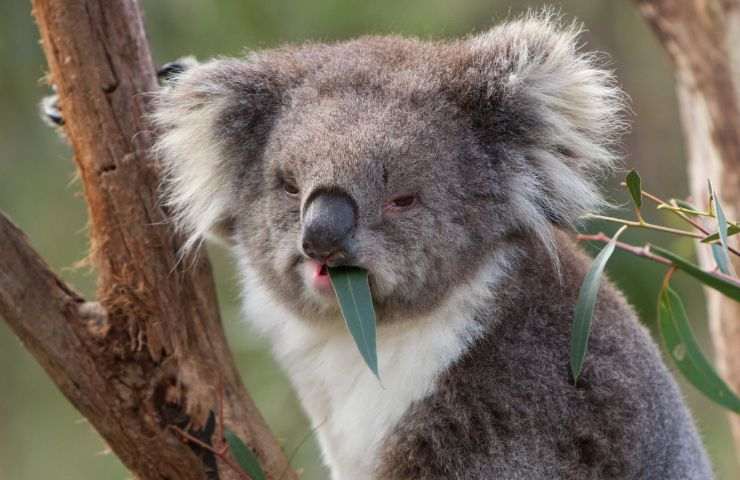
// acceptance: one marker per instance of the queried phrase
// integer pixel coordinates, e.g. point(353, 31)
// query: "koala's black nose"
point(328, 221)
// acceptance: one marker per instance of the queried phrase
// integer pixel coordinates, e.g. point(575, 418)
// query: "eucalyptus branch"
point(680, 213)
point(646, 225)
point(677, 210)
point(646, 252)
point(662, 204)
point(643, 251)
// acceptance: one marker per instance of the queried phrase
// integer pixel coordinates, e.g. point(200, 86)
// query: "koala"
point(453, 172)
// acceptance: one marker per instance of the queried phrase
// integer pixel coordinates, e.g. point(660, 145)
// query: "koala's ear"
point(211, 122)
point(552, 109)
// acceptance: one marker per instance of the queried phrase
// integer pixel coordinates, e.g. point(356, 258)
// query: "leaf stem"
point(677, 211)
point(667, 277)
point(649, 226)
point(674, 208)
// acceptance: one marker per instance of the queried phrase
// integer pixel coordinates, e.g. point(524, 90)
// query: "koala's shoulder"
point(522, 413)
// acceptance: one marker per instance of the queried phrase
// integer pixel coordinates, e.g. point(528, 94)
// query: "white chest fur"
point(350, 409)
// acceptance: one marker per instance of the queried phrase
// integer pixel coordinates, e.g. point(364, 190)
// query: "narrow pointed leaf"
point(722, 256)
point(584, 310)
point(720, 259)
point(726, 286)
point(246, 459)
point(634, 185)
point(681, 344)
point(356, 303)
point(732, 229)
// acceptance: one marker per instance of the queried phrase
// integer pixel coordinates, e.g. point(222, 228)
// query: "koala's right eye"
point(290, 188)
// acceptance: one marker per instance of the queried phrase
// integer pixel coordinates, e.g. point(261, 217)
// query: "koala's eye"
point(401, 203)
point(290, 188)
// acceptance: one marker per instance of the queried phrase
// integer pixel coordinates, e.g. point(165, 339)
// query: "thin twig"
point(221, 454)
point(649, 226)
point(668, 206)
point(643, 251)
point(685, 217)
point(674, 207)
point(220, 448)
point(303, 441)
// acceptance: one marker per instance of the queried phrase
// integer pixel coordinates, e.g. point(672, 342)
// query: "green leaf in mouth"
point(352, 289)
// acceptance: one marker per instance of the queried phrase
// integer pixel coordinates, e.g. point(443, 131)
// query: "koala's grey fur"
point(501, 137)
point(513, 412)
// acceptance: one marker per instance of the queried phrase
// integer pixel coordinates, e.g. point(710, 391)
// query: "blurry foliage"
point(674, 326)
point(41, 436)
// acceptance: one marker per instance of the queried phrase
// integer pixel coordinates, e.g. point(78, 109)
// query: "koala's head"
point(415, 160)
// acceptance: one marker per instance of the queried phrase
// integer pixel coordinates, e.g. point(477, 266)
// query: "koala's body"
point(450, 171)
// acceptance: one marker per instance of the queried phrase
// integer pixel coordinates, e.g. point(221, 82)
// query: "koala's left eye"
point(401, 203)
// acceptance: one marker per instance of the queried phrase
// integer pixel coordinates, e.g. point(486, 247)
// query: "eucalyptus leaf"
point(681, 344)
point(583, 315)
point(726, 286)
point(732, 229)
point(246, 459)
point(720, 258)
point(724, 253)
point(352, 289)
point(634, 185)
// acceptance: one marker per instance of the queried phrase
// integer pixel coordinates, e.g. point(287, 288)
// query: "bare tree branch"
point(702, 38)
point(152, 353)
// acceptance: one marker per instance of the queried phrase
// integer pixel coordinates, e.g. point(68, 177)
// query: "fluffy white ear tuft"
point(535, 71)
point(195, 187)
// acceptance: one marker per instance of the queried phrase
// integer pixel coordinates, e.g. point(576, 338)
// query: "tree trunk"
point(151, 353)
point(702, 38)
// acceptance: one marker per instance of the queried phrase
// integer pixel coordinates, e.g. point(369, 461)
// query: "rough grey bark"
point(151, 352)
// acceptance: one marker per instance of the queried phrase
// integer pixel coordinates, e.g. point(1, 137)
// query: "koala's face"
point(373, 180)
point(413, 160)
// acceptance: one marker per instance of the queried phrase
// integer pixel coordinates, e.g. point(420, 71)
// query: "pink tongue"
point(321, 279)
point(321, 270)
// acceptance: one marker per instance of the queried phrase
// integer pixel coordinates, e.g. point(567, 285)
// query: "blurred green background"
point(42, 436)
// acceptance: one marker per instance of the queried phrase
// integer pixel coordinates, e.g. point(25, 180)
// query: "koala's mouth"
point(317, 276)
point(316, 280)
point(323, 271)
